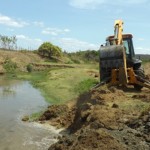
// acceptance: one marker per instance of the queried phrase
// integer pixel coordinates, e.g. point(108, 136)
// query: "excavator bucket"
point(113, 64)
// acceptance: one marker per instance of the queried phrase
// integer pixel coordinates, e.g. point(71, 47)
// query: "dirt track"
point(103, 119)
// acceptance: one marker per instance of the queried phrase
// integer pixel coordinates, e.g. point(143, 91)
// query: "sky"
point(74, 25)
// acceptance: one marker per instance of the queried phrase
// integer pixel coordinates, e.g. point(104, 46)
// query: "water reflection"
point(17, 99)
point(7, 91)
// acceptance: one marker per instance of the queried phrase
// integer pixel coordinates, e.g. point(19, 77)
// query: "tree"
point(91, 55)
point(7, 42)
point(47, 49)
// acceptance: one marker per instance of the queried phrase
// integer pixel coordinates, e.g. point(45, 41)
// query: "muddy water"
point(17, 99)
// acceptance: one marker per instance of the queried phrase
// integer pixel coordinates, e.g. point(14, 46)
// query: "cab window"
point(125, 43)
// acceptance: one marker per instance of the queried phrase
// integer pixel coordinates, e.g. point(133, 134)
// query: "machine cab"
point(127, 42)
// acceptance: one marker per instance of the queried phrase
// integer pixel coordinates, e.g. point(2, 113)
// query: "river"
point(19, 98)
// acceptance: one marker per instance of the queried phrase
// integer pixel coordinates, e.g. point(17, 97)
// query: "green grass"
point(144, 61)
point(61, 85)
point(35, 116)
point(85, 85)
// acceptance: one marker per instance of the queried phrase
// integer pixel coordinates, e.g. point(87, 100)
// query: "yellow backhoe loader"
point(118, 65)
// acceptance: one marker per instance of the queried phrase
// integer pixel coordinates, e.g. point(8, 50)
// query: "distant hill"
point(143, 56)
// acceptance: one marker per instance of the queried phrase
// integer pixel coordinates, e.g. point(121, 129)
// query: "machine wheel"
point(140, 75)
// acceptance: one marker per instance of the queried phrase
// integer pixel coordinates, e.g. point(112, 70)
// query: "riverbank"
point(103, 118)
point(59, 85)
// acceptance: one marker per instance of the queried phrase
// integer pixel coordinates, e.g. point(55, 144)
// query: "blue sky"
point(74, 24)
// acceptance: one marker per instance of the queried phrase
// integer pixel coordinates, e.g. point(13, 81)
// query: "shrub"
point(9, 65)
point(29, 68)
point(47, 49)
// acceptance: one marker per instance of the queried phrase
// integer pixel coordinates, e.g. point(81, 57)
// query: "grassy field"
point(63, 84)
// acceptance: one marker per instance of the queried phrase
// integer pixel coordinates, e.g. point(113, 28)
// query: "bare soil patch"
point(104, 118)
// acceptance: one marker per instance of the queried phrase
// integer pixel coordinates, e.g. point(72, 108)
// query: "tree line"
point(7, 42)
point(86, 55)
point(49, 50)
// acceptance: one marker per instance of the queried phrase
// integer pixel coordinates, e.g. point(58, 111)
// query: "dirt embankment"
point(22, 59)
point(103, 119)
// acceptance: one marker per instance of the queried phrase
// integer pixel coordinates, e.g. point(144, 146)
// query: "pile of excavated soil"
point(88, 139)
point(103, 119)
point(59, 115)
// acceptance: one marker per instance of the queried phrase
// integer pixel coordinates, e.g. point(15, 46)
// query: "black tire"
point(140, 76)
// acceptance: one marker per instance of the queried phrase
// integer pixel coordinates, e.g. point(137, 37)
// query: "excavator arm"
point(118, 29)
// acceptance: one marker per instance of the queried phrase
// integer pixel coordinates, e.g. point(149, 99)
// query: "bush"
point(9, 65)
point(49, 50)
point(29, 68)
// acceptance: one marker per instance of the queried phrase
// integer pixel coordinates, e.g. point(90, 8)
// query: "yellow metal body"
point(131, 78)
point(118, 29)
point(123, 75)
point(116, 77)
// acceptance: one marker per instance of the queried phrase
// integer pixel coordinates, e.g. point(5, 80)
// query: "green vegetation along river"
point(19, 98)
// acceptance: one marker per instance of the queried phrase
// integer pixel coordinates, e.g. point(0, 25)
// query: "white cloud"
point(27, 38)
point(93, 4)
point(26, 42)
point(5, 20)
point(66, 30)
point(71, 44)
point(55, 31)
point(141, 50)
point(38, 23)
point(141, 39)
point(21, 37)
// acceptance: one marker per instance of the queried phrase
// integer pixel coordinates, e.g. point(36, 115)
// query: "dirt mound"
point(144, 97)
point(97, 105)
point(88, 139)
point(58, 115)
point(148, 76)
point(103, 118)
point(142, 124)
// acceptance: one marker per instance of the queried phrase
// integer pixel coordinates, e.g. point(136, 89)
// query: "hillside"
point(21, 58)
